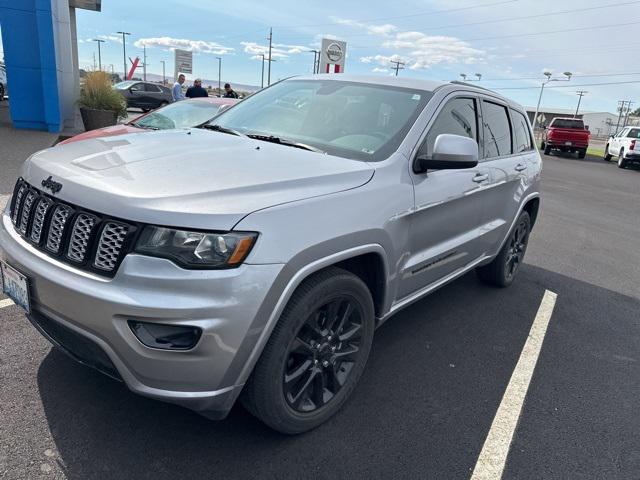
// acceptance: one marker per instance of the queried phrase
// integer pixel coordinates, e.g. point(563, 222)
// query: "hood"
point(189, 178)
point(104, 132)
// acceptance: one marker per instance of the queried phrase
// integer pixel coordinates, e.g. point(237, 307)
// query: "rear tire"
point(503, 269)
point(547, 149)
point(315, 355)
point(622, 163)
point(163, 104)
point(582, 153)
point(607, 155)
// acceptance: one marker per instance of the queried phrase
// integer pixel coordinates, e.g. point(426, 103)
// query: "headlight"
point(196, 249)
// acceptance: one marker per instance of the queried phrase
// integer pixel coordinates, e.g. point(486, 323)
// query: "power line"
point(503, 20)
point(567, 86)
point(419, 14)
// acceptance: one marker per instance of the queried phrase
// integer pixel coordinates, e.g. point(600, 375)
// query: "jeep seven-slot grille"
point(87, 240)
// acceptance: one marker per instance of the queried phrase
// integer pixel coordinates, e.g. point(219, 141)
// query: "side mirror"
point(449, 152)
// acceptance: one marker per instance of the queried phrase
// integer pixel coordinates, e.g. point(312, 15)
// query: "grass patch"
point(596, 152)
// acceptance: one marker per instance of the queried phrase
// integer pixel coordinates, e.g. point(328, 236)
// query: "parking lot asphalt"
point(436, 376)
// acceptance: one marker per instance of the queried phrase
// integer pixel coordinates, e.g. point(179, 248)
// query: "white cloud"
point(421, 50)
point(384, 29)
point(278, 50)
point(196, 46)
point(109, 38)
point(380, 70)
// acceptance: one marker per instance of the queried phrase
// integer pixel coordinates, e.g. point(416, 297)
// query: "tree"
point(636, 112)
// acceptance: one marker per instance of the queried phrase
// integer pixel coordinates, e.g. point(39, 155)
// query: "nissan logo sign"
point(334, 52)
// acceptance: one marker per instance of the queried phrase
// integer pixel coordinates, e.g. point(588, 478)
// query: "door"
point(511, 157)
point(448, 213)
point(154, 94)
point(616, 142)
point(138, 95)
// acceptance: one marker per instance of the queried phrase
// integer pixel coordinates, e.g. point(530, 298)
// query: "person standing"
point(196, 90)
point(228, 92)
point(176, 91)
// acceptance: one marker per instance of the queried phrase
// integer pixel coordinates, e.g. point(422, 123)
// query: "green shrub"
point(97, 93)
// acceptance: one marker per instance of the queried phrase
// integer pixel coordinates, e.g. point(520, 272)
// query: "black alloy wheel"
point(322, 354)
point(517, 247)
point(315, 355)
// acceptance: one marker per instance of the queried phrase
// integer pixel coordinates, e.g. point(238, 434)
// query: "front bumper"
point(228, 305)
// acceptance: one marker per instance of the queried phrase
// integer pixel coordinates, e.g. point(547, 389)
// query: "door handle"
point(480, 177)
point(520, 167)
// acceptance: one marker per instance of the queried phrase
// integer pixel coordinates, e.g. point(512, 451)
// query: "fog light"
point(165, 337)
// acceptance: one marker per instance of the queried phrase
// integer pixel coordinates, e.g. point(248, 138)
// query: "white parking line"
point(3, 201)
point(495, 450)
point(6, 302)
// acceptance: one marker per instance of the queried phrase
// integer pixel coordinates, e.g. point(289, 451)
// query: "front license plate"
point(15, 285)
point(568, 143)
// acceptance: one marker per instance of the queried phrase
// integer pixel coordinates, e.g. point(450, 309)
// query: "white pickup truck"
point(625, 145)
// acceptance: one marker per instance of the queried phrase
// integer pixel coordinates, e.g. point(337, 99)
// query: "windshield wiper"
point(221, 129)
point(284, 141)
point(146, 127)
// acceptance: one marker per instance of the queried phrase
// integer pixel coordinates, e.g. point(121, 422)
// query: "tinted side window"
point(138, 87)
point(151, 88)
point(521, 131)
point(634, 133)
point(458, 117)
point(496, 129)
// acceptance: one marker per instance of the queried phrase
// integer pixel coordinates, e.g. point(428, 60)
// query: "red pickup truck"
point(566, 135)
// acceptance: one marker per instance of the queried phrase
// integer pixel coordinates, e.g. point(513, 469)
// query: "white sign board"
point(332, 56)
point(183, 62)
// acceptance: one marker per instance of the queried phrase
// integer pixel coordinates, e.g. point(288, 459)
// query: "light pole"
point(219, 76)
point(270, 42)
point(548, 80)
point(124, 53)
point(164, 79)
point(99, 53)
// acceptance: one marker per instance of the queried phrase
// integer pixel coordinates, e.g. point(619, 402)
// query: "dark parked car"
point(144, 95)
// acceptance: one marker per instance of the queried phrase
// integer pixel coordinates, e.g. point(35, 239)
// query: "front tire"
point(315, 355)
point(607, 155)
point(622, 163)
point(503, 269)
point(547, 149)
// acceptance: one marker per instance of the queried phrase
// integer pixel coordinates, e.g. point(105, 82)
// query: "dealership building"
point(41, 59)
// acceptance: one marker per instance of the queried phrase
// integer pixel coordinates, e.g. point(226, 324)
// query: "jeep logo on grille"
point(52, 185)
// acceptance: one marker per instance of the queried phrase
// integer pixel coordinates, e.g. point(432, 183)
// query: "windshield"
point(567, 123)
point(353, 120)
point(185, 114)
point(125, 85)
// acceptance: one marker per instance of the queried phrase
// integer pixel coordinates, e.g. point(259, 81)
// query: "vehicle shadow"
point(433, 383)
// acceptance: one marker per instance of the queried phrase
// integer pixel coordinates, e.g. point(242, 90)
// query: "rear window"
point(634, 133)
point(567, 123)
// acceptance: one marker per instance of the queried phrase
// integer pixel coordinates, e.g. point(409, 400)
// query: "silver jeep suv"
point(253, 257)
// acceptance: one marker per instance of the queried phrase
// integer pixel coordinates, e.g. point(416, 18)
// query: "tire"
point(582, 153)
point(622, 163)
point(307, 357)
point(542, 145)
point(1, 92)
point(503, 269)
point(145, 110)
point(607, 155)
point(547, 149)
point(163, 104)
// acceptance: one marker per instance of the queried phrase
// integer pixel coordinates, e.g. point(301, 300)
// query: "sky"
point(509, 42)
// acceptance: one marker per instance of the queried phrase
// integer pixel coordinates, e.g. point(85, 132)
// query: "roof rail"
point(467, 84)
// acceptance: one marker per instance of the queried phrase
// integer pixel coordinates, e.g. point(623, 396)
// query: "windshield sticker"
point(415, 97)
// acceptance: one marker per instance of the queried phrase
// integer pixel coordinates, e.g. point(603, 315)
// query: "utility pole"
point(315, 60)
point(144, 65)
point(263, 60)
point(621, 104)
point(94, 60)
point(626, 118)
point(219, 76)
point(124, 53)
point(580, 93)
point(99, 53)
point(164, 81)
point(270, 42)
point(399, 65)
